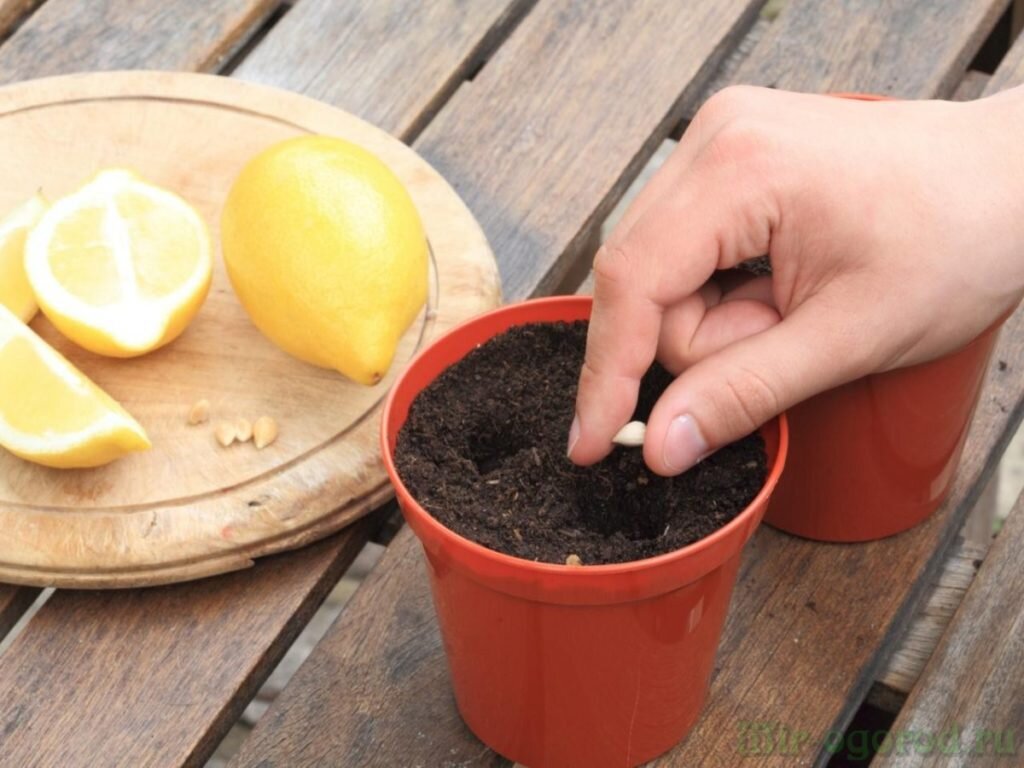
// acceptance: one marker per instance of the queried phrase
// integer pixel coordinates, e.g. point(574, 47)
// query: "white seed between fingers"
point(631, 435)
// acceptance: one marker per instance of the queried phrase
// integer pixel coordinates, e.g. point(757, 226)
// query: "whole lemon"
point(327, 253)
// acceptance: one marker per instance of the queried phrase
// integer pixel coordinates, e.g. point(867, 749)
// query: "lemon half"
point(121, 266)
point(50, 413)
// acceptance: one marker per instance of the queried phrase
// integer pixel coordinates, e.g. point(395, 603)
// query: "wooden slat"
point(974, 680)
point(155, 677)
point(74, 35)
point(546, 138)
point(892, 47)
point(199, 672)
point(393, 63)
point(14, 601)
point(810, 625)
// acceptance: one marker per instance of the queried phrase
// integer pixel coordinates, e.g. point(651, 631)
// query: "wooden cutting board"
point(189, 508)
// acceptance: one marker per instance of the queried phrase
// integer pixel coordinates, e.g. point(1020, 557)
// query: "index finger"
point(622, 340)
point(662, 261)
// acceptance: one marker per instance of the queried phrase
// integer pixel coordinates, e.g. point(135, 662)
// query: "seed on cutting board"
point(264, 432)
point(243, 430)
point(225, 433)
point(200, 413)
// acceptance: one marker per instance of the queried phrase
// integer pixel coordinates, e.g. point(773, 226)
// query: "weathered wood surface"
point(156, 677)
point(894, 48)
point(392, 63)
point(65, 36)
point(810, 625)
point(548, 135)
point(188, 508)
point(972, 690)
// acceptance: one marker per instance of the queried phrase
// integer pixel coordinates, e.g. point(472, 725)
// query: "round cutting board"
point(188, 507)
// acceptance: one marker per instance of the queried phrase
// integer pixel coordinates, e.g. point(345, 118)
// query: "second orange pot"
point(877, 456)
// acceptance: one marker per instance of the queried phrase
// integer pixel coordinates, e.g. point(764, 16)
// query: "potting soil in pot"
point(483, 450)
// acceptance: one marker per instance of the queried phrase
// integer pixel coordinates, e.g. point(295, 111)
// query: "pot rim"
point(421, 520)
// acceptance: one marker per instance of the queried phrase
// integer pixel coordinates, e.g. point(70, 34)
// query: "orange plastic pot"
point(557, 666)
point(877, 456)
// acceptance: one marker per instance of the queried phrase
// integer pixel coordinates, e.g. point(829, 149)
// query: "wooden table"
point(540, 112)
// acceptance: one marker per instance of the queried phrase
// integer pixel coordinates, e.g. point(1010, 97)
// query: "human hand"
point(895, 232)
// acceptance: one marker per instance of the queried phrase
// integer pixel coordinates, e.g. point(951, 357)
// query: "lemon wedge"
point(15, 292)
point(121, 266)
point(50, 413)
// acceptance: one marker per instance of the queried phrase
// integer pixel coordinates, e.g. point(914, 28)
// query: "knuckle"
point(727, 103)
point(742, 140)
point(613, 268)
point(751, 399)
point(590, 371)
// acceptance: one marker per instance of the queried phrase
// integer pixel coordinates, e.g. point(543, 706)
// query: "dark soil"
point(760, 266)
point(483, 450)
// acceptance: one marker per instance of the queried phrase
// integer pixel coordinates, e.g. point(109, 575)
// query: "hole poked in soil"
point(483, 451)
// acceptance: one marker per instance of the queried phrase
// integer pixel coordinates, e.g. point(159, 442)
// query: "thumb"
point(732, 392)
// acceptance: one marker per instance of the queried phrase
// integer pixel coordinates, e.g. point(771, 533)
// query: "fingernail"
point(684, 444)
point(574, 435)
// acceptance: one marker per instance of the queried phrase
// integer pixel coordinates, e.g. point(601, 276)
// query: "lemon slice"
point(50, 413)
point(15, 292)
point(120, 266)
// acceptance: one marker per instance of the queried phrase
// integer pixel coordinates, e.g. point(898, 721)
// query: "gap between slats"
point(14, 602)
point(13, 14)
